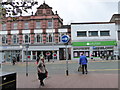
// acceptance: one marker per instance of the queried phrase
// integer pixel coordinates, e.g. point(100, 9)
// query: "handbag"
point(80, 68)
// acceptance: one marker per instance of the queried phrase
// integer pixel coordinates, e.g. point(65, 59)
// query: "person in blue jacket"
point(83, 61)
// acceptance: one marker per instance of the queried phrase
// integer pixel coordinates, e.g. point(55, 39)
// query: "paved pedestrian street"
point(101, 74)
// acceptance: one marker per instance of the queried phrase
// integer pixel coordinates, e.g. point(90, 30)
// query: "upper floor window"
point(4, 39)
point(50, 37)
point(39, 12)
point(48, 11)
point(81, 33)
point(49, 24)
point(104, 33)
point(93, 33)
point(38, 38)
point(38, 24)
point(26, 25)
point(118, 35)
point(26, 38)
point(4, 27)
point(15, 25)
point(15, 39)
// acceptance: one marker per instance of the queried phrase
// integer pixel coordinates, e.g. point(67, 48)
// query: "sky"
point(83, 10)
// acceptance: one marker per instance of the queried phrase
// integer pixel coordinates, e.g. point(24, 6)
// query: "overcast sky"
point(84, 10)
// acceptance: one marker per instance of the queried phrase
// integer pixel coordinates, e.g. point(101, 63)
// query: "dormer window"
point(40, 11)
point(48, 11)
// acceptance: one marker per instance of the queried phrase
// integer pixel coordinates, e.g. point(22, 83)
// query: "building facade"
point(42, 32)
point(94, 39)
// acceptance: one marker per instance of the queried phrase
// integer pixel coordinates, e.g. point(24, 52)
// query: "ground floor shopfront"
point(95, 49)
point(55, 53)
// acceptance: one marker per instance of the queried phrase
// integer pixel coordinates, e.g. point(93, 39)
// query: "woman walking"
point(42, 72)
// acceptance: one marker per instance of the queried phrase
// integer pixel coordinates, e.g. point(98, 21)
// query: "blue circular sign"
point(65, 38)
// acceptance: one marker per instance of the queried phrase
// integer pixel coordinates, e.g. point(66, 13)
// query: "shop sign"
point(95, 43)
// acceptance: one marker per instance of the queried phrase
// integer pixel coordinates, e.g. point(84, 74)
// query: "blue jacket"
point(83, 60)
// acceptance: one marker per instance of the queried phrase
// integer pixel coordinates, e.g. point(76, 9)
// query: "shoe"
point(86, 72)
point(42, 84)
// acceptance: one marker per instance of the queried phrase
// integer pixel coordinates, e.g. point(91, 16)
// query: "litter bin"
point(8, 81)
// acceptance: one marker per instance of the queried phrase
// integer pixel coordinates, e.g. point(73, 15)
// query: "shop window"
point(81, 33)
point(75, 54)
point(104, 33)
point(93, 33)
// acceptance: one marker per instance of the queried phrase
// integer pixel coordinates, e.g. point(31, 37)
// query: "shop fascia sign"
point(94, 43)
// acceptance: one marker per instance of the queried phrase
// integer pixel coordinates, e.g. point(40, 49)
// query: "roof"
point(93, 23)
point(44, 6)
point(114, 17)
point(65, 26)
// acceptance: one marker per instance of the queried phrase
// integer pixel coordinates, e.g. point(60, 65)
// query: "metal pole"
point(52, 40)
point(27, 59)
point(66, 61)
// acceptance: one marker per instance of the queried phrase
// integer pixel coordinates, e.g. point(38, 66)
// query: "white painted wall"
point(93, 27)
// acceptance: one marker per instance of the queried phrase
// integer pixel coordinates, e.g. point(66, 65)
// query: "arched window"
point(50, 37)
point(26, 38)
point(4, 39)
point(15, 39)
point(38, 38)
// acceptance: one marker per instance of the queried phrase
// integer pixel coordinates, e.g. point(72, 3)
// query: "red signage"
point(54, 54)
point(28, 56)
point(48, 53)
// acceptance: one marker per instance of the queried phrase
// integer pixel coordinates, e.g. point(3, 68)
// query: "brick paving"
point(72, 81)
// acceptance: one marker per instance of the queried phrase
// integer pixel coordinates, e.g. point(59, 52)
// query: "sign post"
point(27, 46)
point(65, 40)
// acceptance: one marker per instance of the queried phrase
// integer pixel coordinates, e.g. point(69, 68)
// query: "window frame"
point(82, 35)
point(104, 31)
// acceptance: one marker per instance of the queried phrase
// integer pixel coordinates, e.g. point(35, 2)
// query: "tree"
point(17, 7)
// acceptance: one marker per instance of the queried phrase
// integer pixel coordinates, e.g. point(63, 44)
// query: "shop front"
point(95, 49)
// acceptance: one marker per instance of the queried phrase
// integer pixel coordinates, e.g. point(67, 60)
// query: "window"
point(104, 33)
point(3, 26)
point(4, 39)
point(49, 24)
point(81, 34)
point(50, 37)
point(15, 25)
point(118, 35)
point(38, 38)
point(48, 11)
point(93, 33)
point(15, 39)
point(40, 11)
point(26, 25)
point(27, 38)
point(38, 24)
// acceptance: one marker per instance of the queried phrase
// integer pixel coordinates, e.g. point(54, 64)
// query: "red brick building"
point(41, 31)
